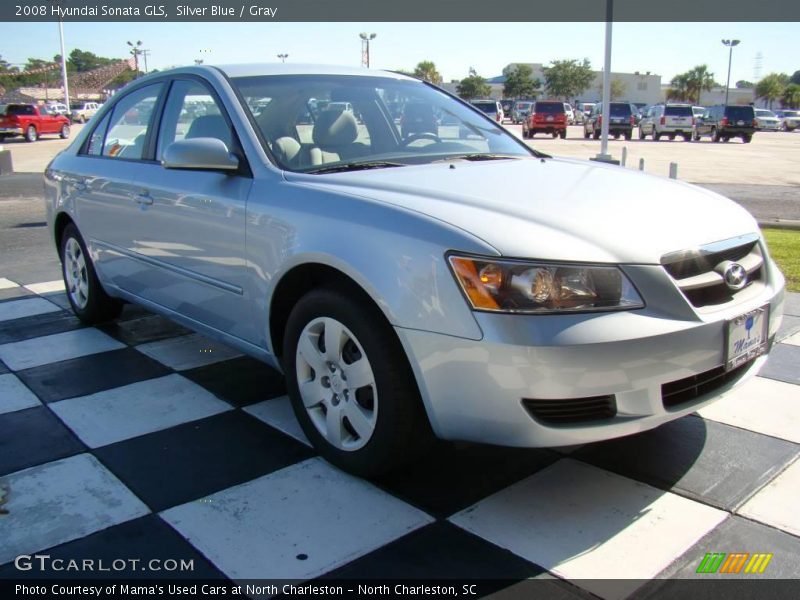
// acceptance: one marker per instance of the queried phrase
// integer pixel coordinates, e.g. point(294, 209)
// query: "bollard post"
point(624, 155)
point(673, 170)
point(641, 164)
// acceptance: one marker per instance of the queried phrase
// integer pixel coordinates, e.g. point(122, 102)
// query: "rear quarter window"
point(20, 109)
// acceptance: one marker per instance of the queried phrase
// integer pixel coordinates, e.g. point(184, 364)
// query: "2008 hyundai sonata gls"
point(412, 267)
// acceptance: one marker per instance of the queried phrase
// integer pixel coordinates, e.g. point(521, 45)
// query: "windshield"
point(760, 112)
point(791, 113)
point(315, 122)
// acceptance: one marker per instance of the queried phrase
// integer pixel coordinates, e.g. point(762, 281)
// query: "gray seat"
point(210, 126)
point(334, 135)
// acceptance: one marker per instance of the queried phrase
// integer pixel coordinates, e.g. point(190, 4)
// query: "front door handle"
point(144, 199)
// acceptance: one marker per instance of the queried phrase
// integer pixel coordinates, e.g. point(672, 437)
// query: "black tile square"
point(27, 328)
point(34, 436)
point(28, 272)
point(195, 459)
point(440, 550)
point(15, 293)
point(789, 326)
point(143, 328)
point(59, 298)
point(240, 381)
point(454, 476)
point(708, 461)
point(144, 539)
point(89, 374)
point(3, 368)
point(791, 305)
point(783, 364)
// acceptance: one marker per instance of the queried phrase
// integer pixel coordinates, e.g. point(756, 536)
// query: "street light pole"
point(604, 156)
point(365, 40)
point(63, 63)
point(136, 51)
point(283, 56)
point(730, 44)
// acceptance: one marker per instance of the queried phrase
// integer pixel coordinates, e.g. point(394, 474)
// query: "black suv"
point(726, 122)
point(620, 124)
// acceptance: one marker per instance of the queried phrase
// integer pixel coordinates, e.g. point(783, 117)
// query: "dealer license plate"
point(746, 337)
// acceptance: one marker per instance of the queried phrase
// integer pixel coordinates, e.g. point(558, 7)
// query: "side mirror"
point(210, 154)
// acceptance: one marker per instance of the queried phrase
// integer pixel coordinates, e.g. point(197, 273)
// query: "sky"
point(661, 48)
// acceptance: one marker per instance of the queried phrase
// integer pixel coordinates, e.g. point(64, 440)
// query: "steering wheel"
point(422, 135)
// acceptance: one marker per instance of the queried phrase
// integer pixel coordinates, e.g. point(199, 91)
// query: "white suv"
point(667, 119)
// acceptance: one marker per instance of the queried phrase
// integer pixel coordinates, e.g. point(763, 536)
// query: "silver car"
point(451, 283)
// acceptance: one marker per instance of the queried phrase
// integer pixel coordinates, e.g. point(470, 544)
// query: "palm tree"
point(699, 79)
point(426, 70)
point(679, 89)
point(770, 88)
point(791, 96)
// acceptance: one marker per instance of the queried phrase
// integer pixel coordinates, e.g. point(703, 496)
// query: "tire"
point(31, 135)
point(696, 137)
point(671, 138)
point(88, 299)
point(715, 135)
point(628, 135)
point(554, 134)
point(64, 133)
point(392, 428)
point(616, 136)
point(563, 134)
point(746, 139)
point(687, 137)
point(726, 139)
point(596, 135)
point(656, 135)
point(586, 134)
point(641, 133)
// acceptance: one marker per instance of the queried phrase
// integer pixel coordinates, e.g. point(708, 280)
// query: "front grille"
point(699, 272)
point(571, 410)
point(685, 390)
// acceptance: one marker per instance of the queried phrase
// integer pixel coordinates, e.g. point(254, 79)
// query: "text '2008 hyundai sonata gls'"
point(413, 268)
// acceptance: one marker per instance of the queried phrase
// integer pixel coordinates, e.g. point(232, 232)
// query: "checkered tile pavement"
point(141, 439)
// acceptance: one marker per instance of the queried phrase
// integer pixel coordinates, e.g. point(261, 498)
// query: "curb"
point(780, 224)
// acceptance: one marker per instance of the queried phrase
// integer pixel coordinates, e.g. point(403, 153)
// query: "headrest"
point(335, 128)
point(286, 149)
point(212, 126)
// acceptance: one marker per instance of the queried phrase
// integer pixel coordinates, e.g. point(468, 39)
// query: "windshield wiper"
point(477, 157)
point(356, 166)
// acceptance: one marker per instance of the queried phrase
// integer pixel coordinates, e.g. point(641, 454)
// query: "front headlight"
point(535, 287)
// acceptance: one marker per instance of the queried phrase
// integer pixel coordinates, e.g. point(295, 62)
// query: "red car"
point(31, 121)
point(546, 117)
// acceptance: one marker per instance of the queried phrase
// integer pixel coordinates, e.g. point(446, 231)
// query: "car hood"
point(554, 209)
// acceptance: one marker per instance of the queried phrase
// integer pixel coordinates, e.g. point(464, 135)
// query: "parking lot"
point(140, 439)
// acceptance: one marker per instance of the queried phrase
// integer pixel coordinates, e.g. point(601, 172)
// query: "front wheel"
point(351, 386)
point(628, 135)
point(88, 299)
point(64, 133)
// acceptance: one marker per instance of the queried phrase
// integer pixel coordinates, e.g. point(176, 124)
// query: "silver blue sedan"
point(412, 279)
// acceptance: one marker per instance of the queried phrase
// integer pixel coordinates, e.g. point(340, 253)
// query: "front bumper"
point(474, 390)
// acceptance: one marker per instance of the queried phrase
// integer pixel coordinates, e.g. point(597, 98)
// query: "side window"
point(191, 112)
point(94, 146)
point(130, 121)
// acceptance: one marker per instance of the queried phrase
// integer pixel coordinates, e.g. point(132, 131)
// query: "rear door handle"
point(144, 199)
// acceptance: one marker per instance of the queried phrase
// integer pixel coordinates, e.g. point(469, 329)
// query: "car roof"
point(251, 70)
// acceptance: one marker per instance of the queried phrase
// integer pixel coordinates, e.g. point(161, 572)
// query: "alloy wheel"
point(76, 273)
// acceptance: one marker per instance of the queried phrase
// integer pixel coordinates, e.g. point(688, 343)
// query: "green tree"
point(679, 88)
point(426, 70)
point(744, 84)
point(6, 67)
point(795, 78)
point(568, 78)
point(473, 86)
point(791, 96)
point(618, 88)
point(81, 61)
point(771, 87)
point(699, 79)
point(520, 83)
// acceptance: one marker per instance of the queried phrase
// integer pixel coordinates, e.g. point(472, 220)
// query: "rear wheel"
point(554, 134)
point(31, 135)
point(628, 135)
point(671, 138)
point(564, 134)
point(687, 137)
point(715, 135)
point(596, 135)
point(64, 133)
point(746, 138)
point(696, 137)
point(586, 133)
point(351, 386)
point(656, 135)
point(88, 299)
point(641, 133)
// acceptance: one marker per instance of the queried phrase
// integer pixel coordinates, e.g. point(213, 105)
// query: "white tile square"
point(46, 287)
point(14, 395)
point(57, 347)
point(794, 340)
point(778, 503)
point(132, 410)
point(589, 525)
point(6, 284)
point(258, 529)
point(62, 501)
point(26, 307)
point(278, 413)
point(188, 351)
point(762, 405)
